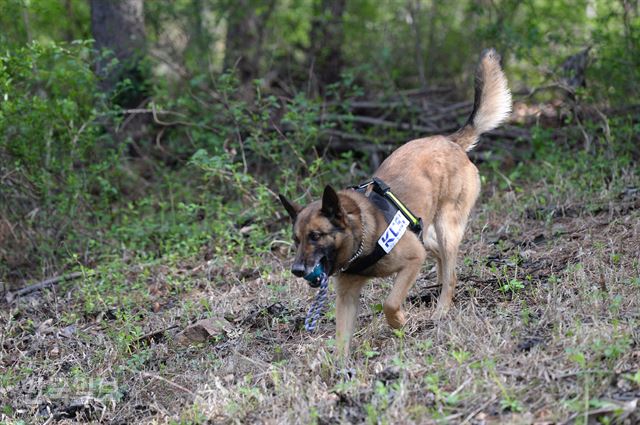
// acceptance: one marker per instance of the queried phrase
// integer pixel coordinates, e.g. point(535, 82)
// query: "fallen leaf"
point(45, 327)
point(68, 331)
point(201, 331)
point(525, 418)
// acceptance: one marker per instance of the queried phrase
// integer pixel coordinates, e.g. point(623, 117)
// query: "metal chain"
point(318, 304)
point(359, 250)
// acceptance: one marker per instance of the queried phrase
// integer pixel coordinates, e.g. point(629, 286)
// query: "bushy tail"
point(492, 102)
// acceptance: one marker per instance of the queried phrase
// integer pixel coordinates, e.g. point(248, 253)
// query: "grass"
point(544, 328)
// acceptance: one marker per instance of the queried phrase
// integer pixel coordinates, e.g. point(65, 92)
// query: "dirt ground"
point(545, 329)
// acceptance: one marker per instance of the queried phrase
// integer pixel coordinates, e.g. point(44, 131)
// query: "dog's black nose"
point(298, 270)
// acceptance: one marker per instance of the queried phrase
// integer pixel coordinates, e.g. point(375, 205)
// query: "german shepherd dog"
point(435, 179)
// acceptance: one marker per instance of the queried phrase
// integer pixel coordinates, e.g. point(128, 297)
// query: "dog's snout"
point(298, 269)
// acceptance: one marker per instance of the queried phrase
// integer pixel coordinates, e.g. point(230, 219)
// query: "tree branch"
point(42, 285)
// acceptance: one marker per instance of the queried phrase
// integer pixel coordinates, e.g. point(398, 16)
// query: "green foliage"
point(223, 150)
point(47, 111)
point(188, 204)
point(52, 139)
point(50, 152)
point(616, 37)
point(511, 405)
point(534, 37)
point(512, 285)
point(44, 21)
point(237, 144)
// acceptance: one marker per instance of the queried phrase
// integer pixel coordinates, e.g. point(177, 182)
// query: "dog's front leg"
point(348, 288)
point(403, 282)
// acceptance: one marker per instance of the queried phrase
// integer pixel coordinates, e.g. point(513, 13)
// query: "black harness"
point(382, 197)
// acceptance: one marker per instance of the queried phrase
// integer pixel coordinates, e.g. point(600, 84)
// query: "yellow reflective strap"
point(404, 209)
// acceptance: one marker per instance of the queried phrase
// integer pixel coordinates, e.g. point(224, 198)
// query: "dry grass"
point(545, 328)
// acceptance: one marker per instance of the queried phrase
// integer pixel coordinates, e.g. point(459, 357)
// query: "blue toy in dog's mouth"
point(315, 276)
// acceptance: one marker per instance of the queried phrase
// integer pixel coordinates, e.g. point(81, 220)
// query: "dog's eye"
point(314, 236)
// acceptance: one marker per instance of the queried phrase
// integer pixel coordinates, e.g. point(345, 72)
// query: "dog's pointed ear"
point(292, 208)
point(331, 204)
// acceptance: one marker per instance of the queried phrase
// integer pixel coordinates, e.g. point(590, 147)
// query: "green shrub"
point(50, 153)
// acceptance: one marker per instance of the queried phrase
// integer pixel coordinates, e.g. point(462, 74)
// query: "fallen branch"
point(138, 111)
point(154, 336)
point(479, 409)
point(42, 285)
point(165, 380)
point(528, 93)
point(360, 142)
point(510, 132)
point(378, 122)
point(155, 112)
point(373, 104)
point(450, 112)
point(623, 109)
point(425, 91)
point(467, 104)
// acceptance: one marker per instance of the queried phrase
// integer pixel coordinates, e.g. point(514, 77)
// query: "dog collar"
point(360, 249)
point(398, 217)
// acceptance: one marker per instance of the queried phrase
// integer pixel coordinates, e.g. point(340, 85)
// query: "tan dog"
point(435, 179)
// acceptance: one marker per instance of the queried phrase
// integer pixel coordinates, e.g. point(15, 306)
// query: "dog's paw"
point(396, 320)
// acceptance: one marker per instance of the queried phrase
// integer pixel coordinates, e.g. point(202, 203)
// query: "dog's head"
point(321, 232)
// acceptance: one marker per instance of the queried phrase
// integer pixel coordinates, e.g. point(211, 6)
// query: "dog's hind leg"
point(450, 230)
point(403, 282)
point(430, 241)
point(348, 288)
point(450, 224)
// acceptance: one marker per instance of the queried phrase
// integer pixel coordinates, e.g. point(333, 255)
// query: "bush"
point(245, 152)
point(49, 145)
point(68, 188)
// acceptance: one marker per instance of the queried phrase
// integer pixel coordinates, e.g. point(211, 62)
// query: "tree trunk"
point(201, 40)
point(68, 6)
point(415, 11)
point(245, 36)
point(118, 26)
point(327, 37)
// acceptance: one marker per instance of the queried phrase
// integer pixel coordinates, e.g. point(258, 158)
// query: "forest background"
point(142, 145)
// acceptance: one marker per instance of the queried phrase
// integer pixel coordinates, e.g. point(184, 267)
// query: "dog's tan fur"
point(436, 180)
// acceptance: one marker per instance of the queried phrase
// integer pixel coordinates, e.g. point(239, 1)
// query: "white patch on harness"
point(394, 232)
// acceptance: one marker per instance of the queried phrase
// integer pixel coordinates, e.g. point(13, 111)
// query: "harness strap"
point(383, 189)
point(382, 197)
point(367, 261)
